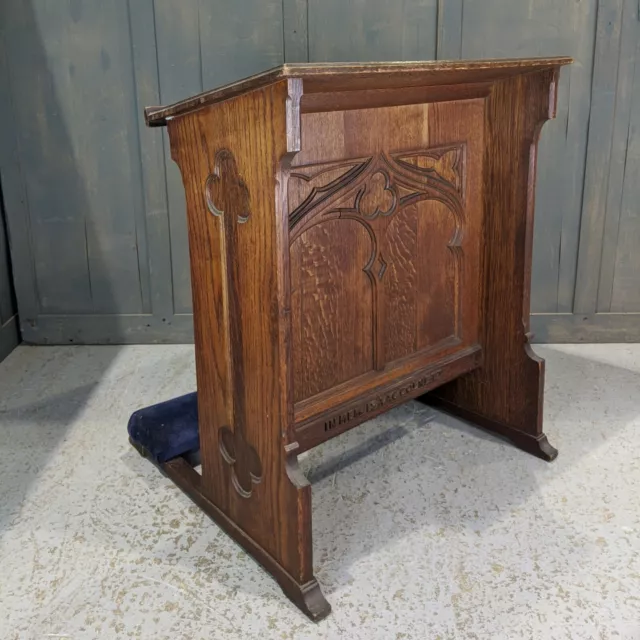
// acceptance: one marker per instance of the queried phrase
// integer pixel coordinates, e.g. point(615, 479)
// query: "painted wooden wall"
point(8, 317)
point(96, 208)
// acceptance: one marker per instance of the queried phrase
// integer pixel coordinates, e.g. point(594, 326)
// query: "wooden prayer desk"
point(360, 235)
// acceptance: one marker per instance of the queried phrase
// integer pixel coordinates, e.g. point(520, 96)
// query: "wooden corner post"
point(230, 155)
point(505, 394)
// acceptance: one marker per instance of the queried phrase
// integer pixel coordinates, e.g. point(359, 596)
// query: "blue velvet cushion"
point(168, 429)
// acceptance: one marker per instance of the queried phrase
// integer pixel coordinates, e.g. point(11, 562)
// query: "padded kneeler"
point(166, 430)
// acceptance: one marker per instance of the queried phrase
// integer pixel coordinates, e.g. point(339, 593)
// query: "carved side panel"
point(375, 262)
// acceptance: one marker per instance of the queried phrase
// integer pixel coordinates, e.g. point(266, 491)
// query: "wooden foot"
point(536, 445)
point(308, 597)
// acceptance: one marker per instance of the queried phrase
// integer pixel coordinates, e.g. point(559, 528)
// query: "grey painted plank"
point(493, 28)
point(294, 30)
point(575, 93)
point(595, 327)
point(199, 46)
point(73, 82)
point(626, 281)
point(99, 99)
point(180, 74)
point(14, 191)
point(151, 156)
point(619, 147)
point(449, 34)
point(110, 329)
point(240, 42)
point(351, 30)
point(7, 306)
point(548, 328)
point(54, 201)
point(9, 337)
point(603, 95)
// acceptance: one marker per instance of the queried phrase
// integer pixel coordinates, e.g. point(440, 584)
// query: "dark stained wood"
point(347, 76)
point(385, 229)
point(506, 394)
point(359, 235)
point(372, 98)
point(230, 160)
point(338, 418)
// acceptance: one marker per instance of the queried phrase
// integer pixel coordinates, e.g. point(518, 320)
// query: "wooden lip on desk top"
point(344, 76)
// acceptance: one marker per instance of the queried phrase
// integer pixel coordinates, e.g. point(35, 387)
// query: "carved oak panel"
point(377, 255)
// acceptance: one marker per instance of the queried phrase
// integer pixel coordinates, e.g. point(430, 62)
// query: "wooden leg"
point(307, 596)
point(505, 395)
point(536, 445)
point(479, 398)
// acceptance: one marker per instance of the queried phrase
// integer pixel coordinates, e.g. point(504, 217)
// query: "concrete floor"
point(423, 527)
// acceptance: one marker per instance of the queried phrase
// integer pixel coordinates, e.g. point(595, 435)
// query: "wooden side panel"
point(506, 393)
point(385, 208)
point(229, 156)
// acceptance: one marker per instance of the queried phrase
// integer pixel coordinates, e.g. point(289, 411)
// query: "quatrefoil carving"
point(225, 190)
point(378, 198)
point(246, 468)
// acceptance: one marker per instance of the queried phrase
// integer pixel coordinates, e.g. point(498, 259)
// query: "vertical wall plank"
point(53, 189)
point(7, 307)
point(235, 44)
point(620, 146)
point(151, 156)
point(496, 29)
point(626, 281)
point(354, 30)
point(449, 35)
point(71, 75)
point(180, 74)
point(295, 17)
point(601, 121)
point(14, 189)
point(202, 46)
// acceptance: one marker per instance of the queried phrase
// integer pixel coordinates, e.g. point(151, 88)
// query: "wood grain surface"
point(229, 156)
point(347, 258)
point(347, 76)
point(506, 394)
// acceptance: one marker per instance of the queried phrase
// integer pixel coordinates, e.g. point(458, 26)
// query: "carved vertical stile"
point(231, 157)
point(229, 200)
